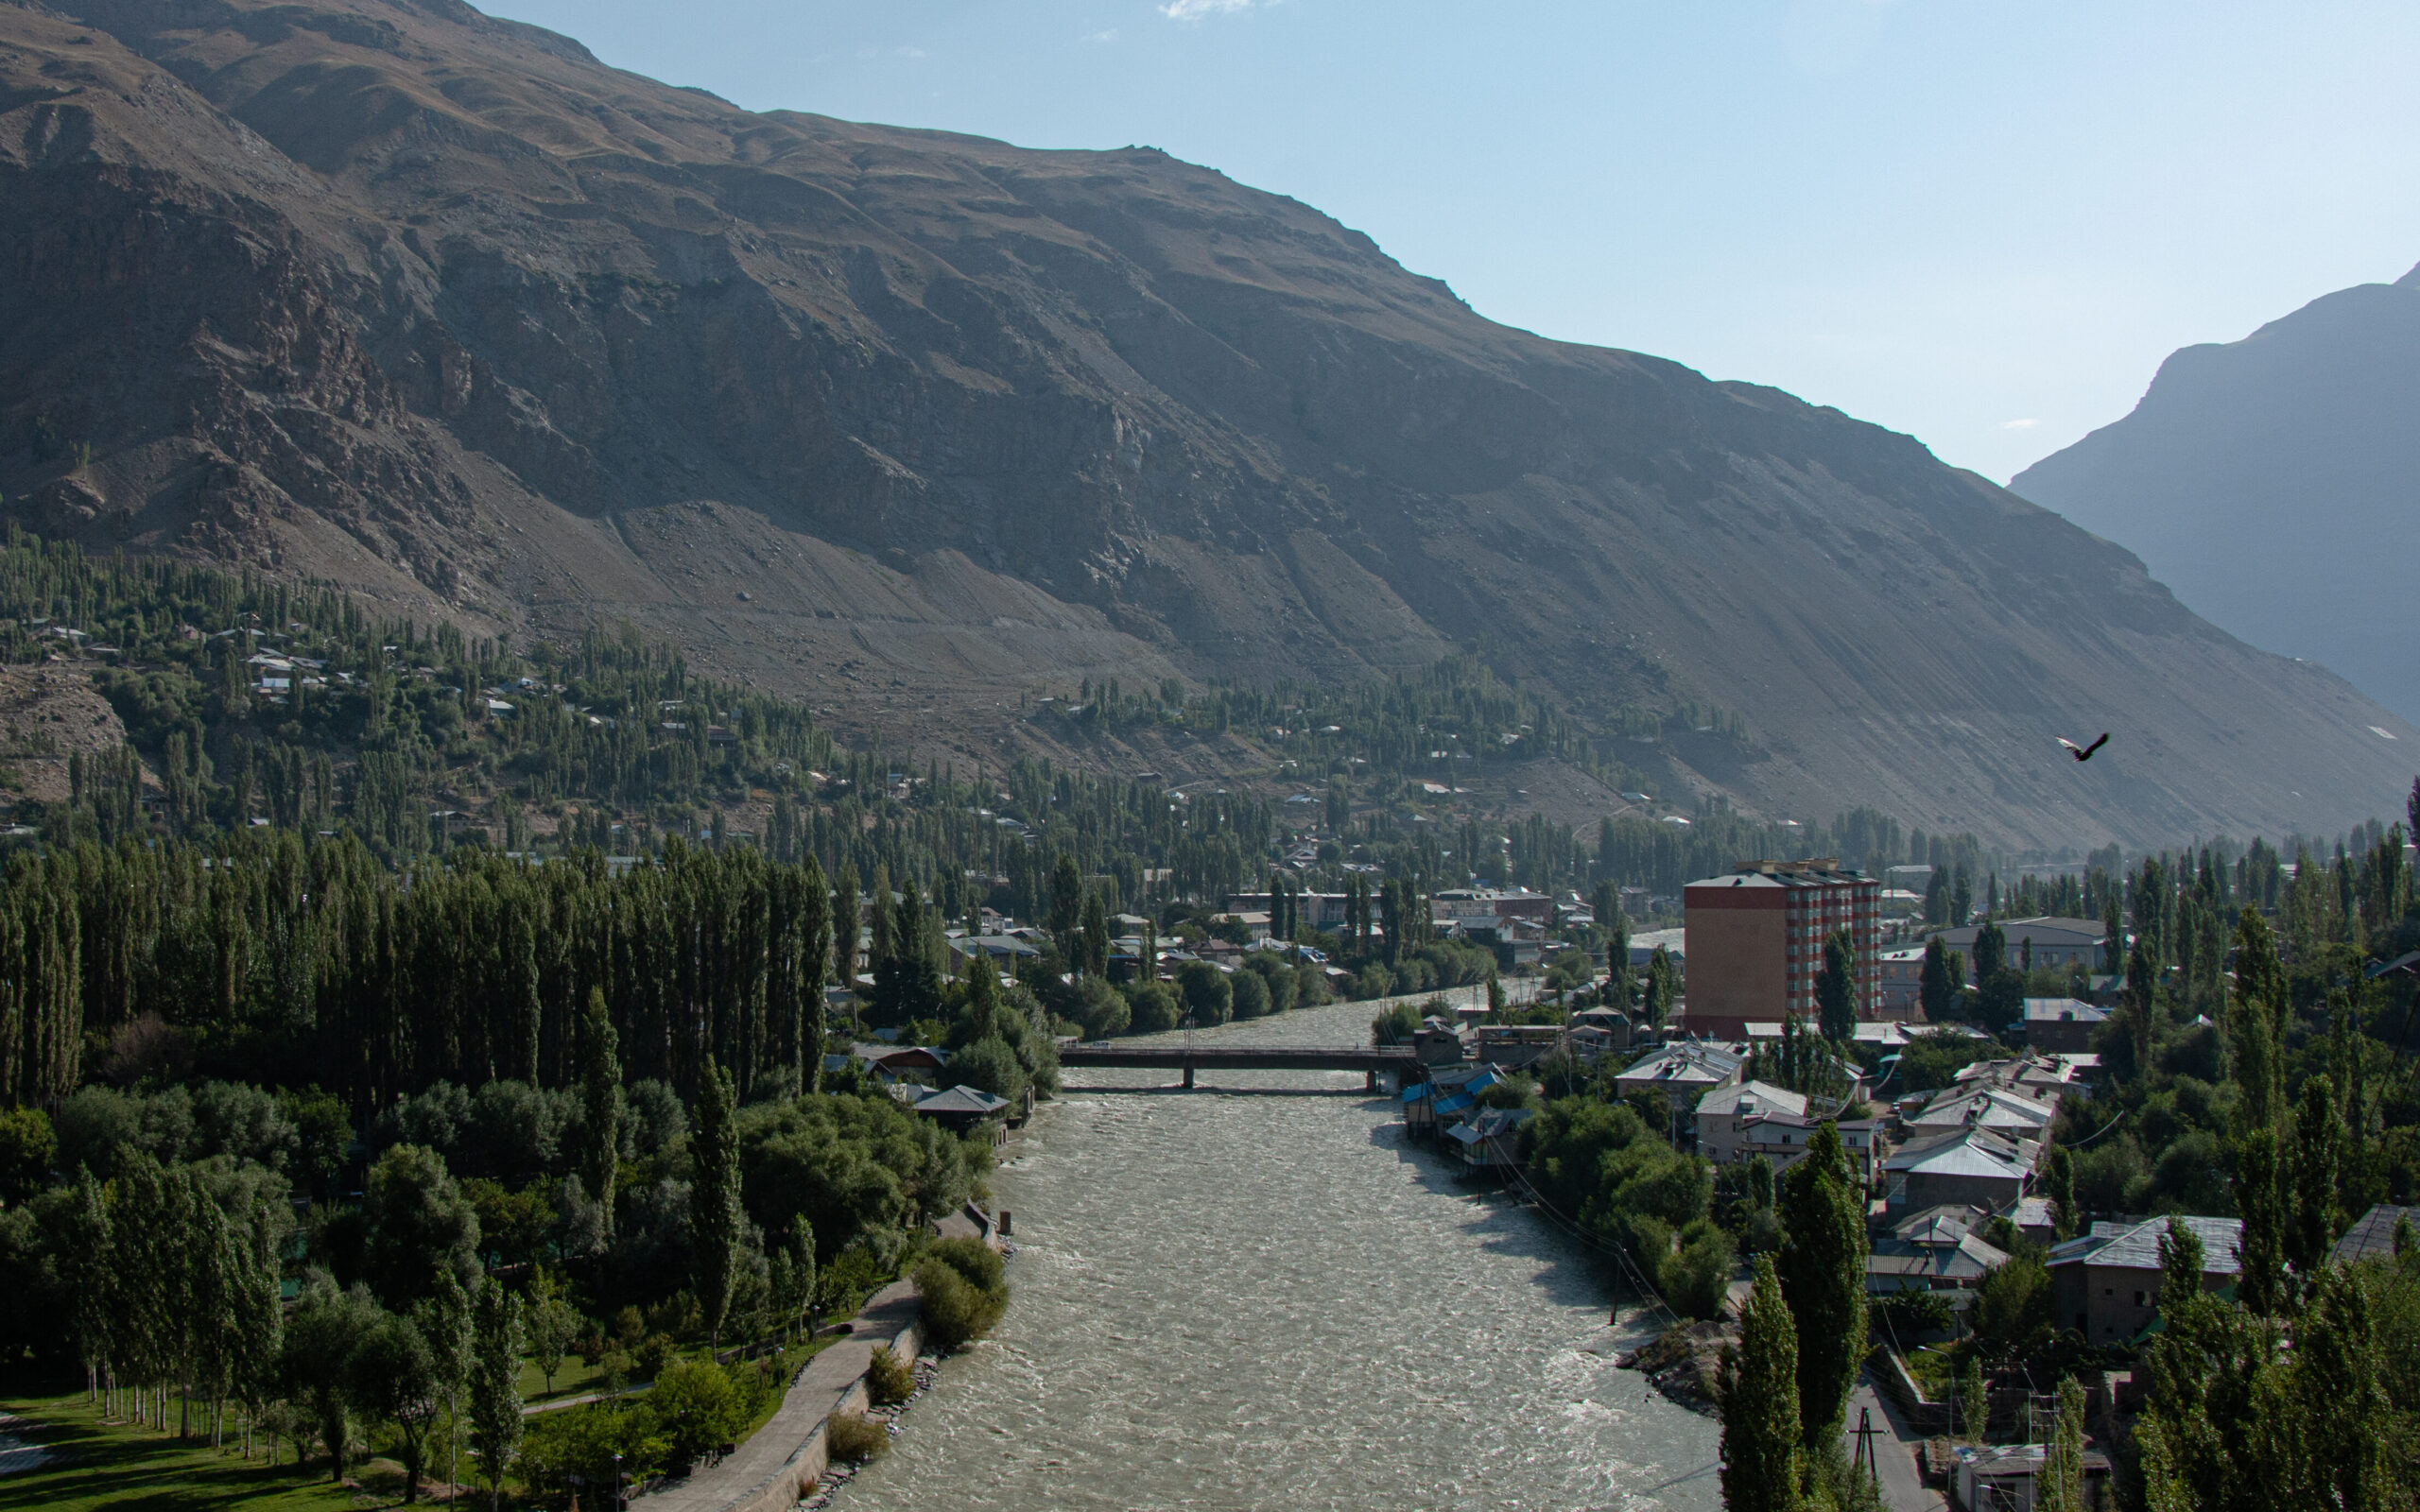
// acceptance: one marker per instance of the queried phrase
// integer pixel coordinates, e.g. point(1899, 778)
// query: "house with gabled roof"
point(1969, 1166)
point(2107, 1284)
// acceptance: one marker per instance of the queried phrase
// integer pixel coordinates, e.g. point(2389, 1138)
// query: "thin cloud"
point(1111, 35)
point(2018, 424)
point(1202, 9)
point(911, 52)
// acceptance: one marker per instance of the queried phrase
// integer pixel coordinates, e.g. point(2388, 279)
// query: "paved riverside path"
point(1894, 1452)
point(763, 1473)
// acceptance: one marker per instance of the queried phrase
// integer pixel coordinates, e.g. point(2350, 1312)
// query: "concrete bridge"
point(1367, 1060)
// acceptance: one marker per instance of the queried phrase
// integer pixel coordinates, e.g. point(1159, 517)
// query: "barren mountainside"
point(395, 294)
point(2274, 483)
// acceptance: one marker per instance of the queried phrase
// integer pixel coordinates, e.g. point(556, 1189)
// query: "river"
point(1260, 1296)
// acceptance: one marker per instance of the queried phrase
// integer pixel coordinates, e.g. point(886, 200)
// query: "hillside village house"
point(2107, 1284)
point(1756, 941)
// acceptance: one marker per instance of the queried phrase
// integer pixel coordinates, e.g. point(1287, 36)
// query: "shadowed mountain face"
point(2274, 483)
point(438, 307)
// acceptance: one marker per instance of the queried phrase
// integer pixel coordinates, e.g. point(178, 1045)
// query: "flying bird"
point(2083, 753)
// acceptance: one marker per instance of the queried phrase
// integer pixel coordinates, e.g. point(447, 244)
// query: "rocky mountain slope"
point(391, 293)
point(2274, 483)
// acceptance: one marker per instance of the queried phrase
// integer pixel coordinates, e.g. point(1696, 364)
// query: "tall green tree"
point(1835, 988)
point(419, 1223)
point(2061, 1187)
point(1662, 987)
point(714, 1197)
point(2318, 1216)
point(1822, 1276)
point(1758, 1395)
point(2261, 1192)
point(320, 1335)
point(495, 1386)
point(390, 1377)
point(445, 1322)
point(600, 1097)
point(1936, 988)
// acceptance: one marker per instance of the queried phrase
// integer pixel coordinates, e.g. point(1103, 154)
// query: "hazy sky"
point(1981, 223)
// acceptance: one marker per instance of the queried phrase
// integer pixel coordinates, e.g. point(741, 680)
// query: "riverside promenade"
point(772, 1471)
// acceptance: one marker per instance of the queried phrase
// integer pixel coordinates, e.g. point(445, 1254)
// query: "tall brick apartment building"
point(1755, 941)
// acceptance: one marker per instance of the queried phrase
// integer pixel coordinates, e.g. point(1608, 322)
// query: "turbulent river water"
point(1259, 1295)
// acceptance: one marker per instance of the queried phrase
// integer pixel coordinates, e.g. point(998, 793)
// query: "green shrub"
point(653, 1354)
point(1153, 1007)
point(954, 1311)
point(851, 1438)
point(1695, 1279)
point(890, 1380)
point(976, 1260)
point(698, 1408)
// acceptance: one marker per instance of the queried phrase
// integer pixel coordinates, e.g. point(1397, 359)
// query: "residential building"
point(1936, 1254)
point(1684, 1072)
point(2006, 1477)
point(1490, 1141)
point(1969, 1167)
point(1898, 982)
point(2106, 1284)
point(1320, 910)
point(1995, 1109)
point(2062, 1023)
point(1723, 1113)
point(1756, 941)
point(2058, 943)
point(1518, 1045)
point(965, 1110)
point(2372, 1236)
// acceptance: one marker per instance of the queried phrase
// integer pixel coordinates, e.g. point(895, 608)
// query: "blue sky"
point(1981, 223)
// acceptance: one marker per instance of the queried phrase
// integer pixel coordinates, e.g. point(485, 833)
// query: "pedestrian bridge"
point(1367, 1060)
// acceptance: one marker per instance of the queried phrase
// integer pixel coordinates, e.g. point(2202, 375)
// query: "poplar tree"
point(2260, 1199)
point(495, 1386)
point(2062, 1185)
point(600, 1095)
point(1935, 988)
point(2062, 1483)
point(1659, 988)
point(1822, 1276)
point(445, 1322)
point(2318, 1140)
point(1758, 1395)
point(1835, 988)
point(714, 1197)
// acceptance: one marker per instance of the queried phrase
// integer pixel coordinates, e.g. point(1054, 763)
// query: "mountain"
point(2274, 483)
point(392, 294)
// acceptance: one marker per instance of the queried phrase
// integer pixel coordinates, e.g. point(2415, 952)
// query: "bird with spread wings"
point(2083, 753)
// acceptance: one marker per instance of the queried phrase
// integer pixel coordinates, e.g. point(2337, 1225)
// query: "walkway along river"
point(1256, 1294)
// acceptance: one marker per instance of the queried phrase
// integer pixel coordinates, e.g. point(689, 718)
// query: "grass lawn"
point(574, 1377)
point(134, 1468)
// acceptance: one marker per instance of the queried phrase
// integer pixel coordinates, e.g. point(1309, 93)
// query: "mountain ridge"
point(2297, 441)
point(403, 297)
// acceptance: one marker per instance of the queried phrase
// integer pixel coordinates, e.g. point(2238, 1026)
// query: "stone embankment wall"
point(772, 1471)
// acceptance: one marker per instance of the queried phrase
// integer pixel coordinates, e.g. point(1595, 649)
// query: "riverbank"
point(780, 1463)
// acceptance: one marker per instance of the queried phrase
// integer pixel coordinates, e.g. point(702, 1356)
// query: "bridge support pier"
point(1369, 1081)
point(1188, 1079)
